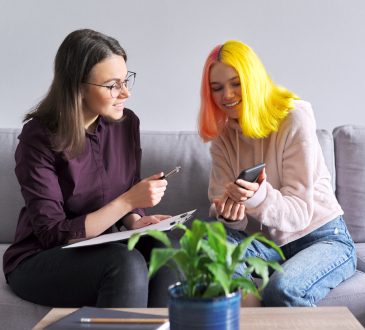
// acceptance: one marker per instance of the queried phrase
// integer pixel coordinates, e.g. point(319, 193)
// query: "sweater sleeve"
point(221, 174)
point(290, 207)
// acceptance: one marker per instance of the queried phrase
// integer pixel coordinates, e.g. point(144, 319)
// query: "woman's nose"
point(124, 92)
point(228, 92)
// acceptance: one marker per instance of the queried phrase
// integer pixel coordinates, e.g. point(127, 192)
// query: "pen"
point(175, 170)
point(121, 320)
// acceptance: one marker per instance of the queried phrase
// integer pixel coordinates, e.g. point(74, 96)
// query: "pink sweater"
point(297, 196)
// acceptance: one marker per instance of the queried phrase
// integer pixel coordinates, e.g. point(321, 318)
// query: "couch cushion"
point(325, 139)
point(360, 249)
point(11, 200)
point(16, 313)
point(162, 151)
point(350, 176)
point(350, 293)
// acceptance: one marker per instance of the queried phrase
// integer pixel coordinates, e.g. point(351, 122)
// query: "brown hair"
point(61, 109)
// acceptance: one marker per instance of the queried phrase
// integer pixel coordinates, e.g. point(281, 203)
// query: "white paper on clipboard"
point(164, 225)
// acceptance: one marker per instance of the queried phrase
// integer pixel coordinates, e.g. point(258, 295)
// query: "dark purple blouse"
point(59, 193)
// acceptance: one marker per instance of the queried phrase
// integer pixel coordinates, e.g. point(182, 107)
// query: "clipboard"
point(164, 225)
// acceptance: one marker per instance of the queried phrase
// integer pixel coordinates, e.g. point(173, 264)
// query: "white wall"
point(314, 47)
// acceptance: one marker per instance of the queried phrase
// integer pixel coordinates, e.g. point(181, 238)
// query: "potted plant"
point(209, 294)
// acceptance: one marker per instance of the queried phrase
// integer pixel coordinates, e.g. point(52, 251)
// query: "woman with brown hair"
point(78, 166)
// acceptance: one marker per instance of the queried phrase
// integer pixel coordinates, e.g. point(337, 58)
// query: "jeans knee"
point(271, 295)
point(124, 281)
point(279, 292)
point(126, 265)
point(282, 291)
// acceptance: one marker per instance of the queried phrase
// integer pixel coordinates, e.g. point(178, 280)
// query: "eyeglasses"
point(116, 88)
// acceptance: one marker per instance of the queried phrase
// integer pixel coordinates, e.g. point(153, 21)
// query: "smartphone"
point(172, 172)
point(251, 174)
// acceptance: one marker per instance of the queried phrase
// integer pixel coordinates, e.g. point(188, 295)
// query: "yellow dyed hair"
point(264, 104)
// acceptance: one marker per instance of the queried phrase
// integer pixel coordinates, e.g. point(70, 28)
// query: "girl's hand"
point(229, 209)
point(241, 190)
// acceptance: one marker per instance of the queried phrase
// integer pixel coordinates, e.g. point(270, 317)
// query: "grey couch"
point(344, 152)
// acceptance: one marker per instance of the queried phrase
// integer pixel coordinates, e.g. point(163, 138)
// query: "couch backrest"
point(350, 177)
point(10, 198)
point(162, 151)
point(188, 189)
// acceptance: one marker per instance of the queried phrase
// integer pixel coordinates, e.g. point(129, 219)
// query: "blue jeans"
point(315, 264)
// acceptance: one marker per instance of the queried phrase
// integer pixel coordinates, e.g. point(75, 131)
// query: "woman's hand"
point(146, 193)
point(231, 206)
point(144, 221)
point(229, 209)
point(241, 190)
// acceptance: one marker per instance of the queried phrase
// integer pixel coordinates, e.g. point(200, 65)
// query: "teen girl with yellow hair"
point(250, 120)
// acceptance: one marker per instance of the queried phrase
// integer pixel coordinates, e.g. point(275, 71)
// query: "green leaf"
point(248, 270)
point(133, 240)
point(160, 236)
point(246, 285)
point(211, 253)
point(198, 232)
point(229, 256)
point(159, 258)
point(185, 264)
point(218, 229)
point(275, 265)
point(271, 244)
point(180, 226)
point(185, 242)
point(220, 276)
point(217, 239)
point(241, 249)
point(192, 239)
point(213, 290)
point(260, 268)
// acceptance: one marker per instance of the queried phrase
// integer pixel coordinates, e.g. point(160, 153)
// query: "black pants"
point(106, 275)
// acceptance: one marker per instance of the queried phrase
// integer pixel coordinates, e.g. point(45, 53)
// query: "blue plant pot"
point(221, 313)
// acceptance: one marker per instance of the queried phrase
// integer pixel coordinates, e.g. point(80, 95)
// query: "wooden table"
point(295, 318)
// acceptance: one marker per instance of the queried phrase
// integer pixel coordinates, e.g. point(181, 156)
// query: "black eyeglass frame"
point(124, 83)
